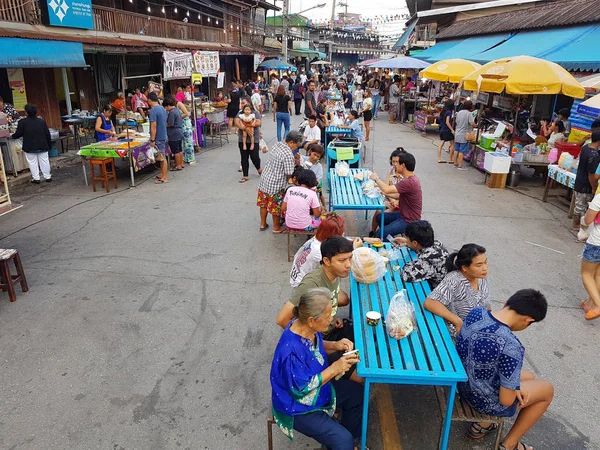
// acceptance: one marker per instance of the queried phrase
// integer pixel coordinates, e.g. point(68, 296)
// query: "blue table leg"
point(381, 227)
point(365, 417)
point(448, 418)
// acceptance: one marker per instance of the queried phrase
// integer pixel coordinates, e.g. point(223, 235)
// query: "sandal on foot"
point(278, 231)
point(159, 181)
point(243, 180)
point(520, 446)
point(442, 162)
point(476, 431)
point(591, 315)
point(264, 228)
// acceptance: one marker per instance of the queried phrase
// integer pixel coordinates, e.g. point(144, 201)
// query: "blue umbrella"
point(275, 64)
point(400, 62)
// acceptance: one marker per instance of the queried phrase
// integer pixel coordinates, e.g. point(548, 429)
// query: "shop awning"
point(405, 35)
point(307, 53)
point(535, 43)
point(438, 48)
point(25, 53)
point(472, 46)
point(580, 53)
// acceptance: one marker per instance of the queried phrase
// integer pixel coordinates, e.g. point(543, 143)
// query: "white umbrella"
point(401, 62)
point(320, 63)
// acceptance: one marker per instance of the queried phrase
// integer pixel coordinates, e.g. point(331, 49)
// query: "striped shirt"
point(456, 293)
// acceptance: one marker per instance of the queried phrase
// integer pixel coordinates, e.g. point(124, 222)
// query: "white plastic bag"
point(400, 319)
point(342, 169)
point(584, 230)
point(370, 189)
point(263, 146)
point(150, 154)
point(368, 266)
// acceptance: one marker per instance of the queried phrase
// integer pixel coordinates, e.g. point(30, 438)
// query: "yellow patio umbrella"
point(523, 75)
point(449, 70)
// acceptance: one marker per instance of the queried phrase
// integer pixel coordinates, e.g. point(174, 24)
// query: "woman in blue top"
point(304, 390)
point(104, 127)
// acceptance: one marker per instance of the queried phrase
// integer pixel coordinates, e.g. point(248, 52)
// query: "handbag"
point(471, 136)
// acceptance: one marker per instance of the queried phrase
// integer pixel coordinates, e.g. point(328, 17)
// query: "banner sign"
point(220, 80)
point(17, 86)
point(207, 63)
point(178, 65)
point(68, 13)
point(258, 58)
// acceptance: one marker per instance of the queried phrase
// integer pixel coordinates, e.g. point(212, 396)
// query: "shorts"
point(368, 115)
point(160, 146)
point(270, 201)
point(175, 147)
point(461, 147)
point(591, 253)
point(394, 108)
point(446, 136)
point(582, 202)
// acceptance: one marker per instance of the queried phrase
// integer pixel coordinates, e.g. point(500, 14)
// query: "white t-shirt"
point(306, 260)
point(312, 134)
point(358, 79)
point(358, 96)
point(594, 238)
point(368, 102)
point(256, 100)
point(300, 200)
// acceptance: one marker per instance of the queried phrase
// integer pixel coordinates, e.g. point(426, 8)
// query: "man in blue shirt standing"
point(493, 358)
point(158, 135)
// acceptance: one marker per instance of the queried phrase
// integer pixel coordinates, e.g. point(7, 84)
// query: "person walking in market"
point(36, 143)
point(274, 180)
point(251, 151)
point(463, 125)
point(586, 181)
point(158, 135)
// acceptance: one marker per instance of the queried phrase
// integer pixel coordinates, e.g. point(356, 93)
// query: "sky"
point(368, 8)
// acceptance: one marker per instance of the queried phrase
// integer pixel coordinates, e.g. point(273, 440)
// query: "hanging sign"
point(17, 86)
point(258, 58)
point(178, 65)
point(196, 78)
point(207, 63)
point(220, 80)
point(68, 13)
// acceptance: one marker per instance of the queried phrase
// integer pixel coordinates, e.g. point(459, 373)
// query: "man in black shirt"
point(586, 181)
point(310, 108)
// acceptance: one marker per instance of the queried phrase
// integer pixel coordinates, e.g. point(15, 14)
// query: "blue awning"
point(438, 48)
point(405, 35)
point(472, 46)
point(534, 43)
point(580, 53)
point(24, 53)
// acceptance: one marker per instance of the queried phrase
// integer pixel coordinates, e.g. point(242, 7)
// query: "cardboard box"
point(496, 162)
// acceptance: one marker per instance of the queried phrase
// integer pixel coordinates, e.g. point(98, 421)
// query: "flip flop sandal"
point(442, 162)
point(591, 315)
point(159, 181)
point(520, 446)
point(278, 231)
point(476, 431)
point(243, 180)
point(264, 228)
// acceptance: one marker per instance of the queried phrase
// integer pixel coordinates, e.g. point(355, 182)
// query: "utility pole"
point(284, 23)
point(331, 41)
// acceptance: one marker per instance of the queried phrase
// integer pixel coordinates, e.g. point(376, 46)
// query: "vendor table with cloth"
point(427, 356)
point(566, 178)
point(346, 194)
point(134, 151)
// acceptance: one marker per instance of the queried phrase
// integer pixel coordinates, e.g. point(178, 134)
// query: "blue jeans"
point(394, 223)
point(376, 103)
point(282, 119)
point(328, 432)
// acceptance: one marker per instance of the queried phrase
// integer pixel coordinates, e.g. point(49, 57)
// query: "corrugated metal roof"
point(554, 14)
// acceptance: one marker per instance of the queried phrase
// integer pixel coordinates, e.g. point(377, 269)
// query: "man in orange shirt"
point(119, 103)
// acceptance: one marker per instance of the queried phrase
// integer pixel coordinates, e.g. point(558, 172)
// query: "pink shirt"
point(411, 198)
point(180, 97)
point(300, 201)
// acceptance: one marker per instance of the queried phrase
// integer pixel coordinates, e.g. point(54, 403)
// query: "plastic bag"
point(263, 146)
point(400, 319)
point(342, 169)
point(368, 266)
point(150, 154)
point(370, 189)
point(553, 156)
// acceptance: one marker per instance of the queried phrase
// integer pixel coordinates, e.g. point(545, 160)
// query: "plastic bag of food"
point(370, 189)
point(342, 169)
point(368, 266)
point(150, 154)
point(400, 319)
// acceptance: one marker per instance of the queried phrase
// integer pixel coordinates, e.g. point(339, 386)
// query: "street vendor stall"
point(136, 149)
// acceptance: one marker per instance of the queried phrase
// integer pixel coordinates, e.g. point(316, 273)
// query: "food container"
point(486, 141)
point(216, 117)
point(373, 318)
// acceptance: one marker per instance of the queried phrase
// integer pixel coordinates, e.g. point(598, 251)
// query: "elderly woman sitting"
point(305, 393)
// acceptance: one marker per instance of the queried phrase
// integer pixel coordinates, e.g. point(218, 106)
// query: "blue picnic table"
point(427, 356)
point(345, 193)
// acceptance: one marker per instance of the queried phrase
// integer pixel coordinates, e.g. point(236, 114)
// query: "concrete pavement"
point(150, 318)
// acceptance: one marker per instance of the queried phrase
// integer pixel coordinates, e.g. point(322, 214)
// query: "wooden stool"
point(105, 175)
point(290, 231)
point(495, 180)
point(7, 280)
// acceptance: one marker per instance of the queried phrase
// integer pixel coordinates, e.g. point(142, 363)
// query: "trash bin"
point(514, 175)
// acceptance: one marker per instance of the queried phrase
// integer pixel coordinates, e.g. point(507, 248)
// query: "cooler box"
point(487, 140)
point(496, 162)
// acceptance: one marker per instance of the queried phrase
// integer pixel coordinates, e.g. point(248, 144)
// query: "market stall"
point(523, 77)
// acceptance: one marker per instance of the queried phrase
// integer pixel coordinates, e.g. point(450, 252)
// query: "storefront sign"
point(178, 65)
point(17, 86)
point(68, 13)
point(207, 63)
point(502, 102)
point(483, 97)
point(196, 78)
point(420, 121)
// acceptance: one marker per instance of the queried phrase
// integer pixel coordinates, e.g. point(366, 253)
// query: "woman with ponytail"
point(463, 288)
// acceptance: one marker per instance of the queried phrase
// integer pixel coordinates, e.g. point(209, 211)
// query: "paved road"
point(150, 319)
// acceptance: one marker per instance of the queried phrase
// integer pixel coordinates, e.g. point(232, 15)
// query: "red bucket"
point(568, 147)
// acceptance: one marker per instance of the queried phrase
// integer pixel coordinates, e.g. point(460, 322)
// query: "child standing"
point(248, 118)
point(313, 162)
point(358, 98)
point(300, 201)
